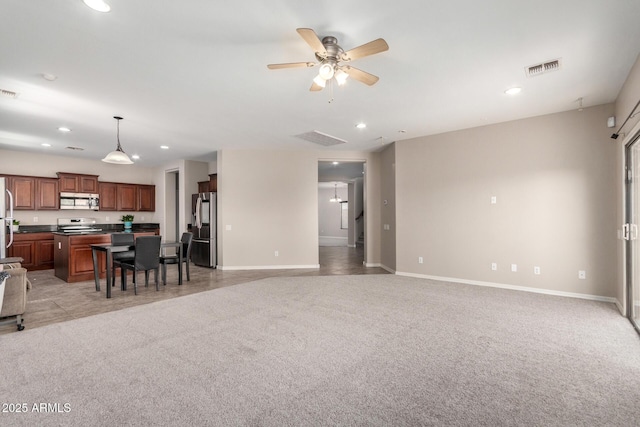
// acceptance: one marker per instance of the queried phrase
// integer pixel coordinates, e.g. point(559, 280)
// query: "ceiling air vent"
point(545, 67)
point(321, 138)
point(74, 148)
point(8, 93)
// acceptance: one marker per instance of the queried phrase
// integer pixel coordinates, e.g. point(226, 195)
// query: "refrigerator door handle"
point(198, 213)
point(10, 218)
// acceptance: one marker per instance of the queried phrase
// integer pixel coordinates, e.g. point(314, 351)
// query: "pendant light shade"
point(118, 157)
point(335, 197)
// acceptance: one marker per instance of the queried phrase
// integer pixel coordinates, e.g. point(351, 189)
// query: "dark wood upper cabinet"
point(23, 189)
point(146, 198)
point(47, 194)
point(126, 197)
point(41, 193)
point(108, 196)
point(211, 185)
point(77, 183)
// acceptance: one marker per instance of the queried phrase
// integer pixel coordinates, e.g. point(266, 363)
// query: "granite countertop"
point(105, 228)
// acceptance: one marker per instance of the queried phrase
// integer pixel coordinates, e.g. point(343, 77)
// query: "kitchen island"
point(72, 258)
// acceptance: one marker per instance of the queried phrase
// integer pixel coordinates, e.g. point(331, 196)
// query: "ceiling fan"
point(331, 57)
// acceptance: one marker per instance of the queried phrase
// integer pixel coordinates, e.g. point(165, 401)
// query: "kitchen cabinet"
point(207, 186)
point(73, 260)
point(146, 200)
point(115, 196)
point(203, 186)
point(36, 249)
point(47, 194)
point(108, 196)
point(77, 183)
point(23, 189)
point(126, 197)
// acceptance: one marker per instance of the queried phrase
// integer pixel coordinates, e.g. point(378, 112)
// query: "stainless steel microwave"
point(84, 201)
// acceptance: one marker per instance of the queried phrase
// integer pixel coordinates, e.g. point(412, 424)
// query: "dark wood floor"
point(52, 300)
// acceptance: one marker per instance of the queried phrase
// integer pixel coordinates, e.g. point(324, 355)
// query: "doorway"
point(341, 222)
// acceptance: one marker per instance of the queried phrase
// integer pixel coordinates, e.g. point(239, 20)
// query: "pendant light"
point(335, 197)
point(118, 157)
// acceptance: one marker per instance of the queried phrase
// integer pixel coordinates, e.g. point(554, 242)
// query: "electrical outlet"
point(582, 274)
point(420, 260)
point(536, 270)
point(106, 219)
point(227, 227)
point(494, 266)
point(514, 267)
point(35, 219)
point(276, 253)
point(494, 200)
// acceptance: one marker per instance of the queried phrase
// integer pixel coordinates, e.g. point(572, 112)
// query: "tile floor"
point(52, 300)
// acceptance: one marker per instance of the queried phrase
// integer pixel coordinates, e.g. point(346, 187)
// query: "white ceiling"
point(192, 74)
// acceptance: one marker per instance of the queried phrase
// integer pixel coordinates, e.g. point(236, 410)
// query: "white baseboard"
point(620, 307)
point(390, 270)
point(514, 288)
point(266, 267)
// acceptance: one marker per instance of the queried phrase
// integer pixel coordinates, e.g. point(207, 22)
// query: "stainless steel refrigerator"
point(6, 217)
point(204, 219)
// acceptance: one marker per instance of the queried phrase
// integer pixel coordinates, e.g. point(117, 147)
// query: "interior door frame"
point(630, 237)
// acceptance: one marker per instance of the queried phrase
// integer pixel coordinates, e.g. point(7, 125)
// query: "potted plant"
point(128, 220)
point(16, 225)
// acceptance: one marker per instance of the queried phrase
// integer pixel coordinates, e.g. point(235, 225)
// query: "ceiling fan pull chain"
point(331, 91)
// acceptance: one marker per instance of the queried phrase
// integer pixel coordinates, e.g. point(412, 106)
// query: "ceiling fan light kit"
point(330, 55)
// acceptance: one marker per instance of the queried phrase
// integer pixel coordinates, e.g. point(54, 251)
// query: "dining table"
point(108, 249)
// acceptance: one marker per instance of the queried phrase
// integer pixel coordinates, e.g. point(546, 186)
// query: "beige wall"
point(554, 178)
point(37, 164)
point(270, 200)
point(388, 213)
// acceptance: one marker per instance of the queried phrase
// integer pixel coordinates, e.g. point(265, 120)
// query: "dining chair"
point(186, 240)
point(147, 258)
point(120, 239)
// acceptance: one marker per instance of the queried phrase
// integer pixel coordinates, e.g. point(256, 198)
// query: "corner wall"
point(553, 178)
point(388, 207)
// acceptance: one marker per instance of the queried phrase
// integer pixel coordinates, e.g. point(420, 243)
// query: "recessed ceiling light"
point(135, 157)
point(361, 125)
point(44, 144)
point(513, 91)
point(164, 147)
point(97, 5)
point(64, 129)
point(402, 131)
point(49, 77)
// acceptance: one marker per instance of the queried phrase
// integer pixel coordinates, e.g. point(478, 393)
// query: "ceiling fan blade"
point(312, 40)
point(361, 76)
point(314, 87)
point(290, 65)
point(371, 48)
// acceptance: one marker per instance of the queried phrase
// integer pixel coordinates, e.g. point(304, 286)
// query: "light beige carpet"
point(339, 350)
